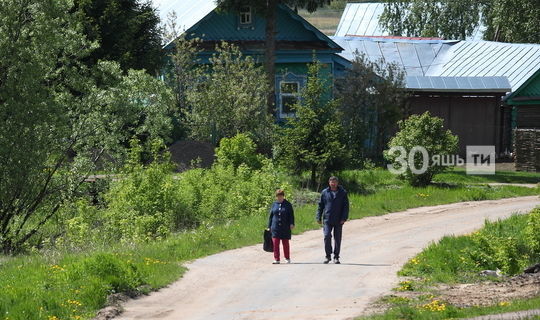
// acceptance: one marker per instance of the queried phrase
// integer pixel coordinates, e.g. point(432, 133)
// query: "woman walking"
point(280, 223)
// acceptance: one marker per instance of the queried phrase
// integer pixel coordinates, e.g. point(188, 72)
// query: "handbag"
point(268, 246)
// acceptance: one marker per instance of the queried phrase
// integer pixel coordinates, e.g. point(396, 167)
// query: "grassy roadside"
point(509, 245)
point(59, 285)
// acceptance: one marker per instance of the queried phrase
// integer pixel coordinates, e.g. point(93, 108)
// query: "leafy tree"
point(268, 9)
point(230, 99)
point(505, 20)
point(421, 131)
point(372, 97)
point(181, 73)
point(512, 21)
point(313, 140)
point(57, 123)
point(127, 32)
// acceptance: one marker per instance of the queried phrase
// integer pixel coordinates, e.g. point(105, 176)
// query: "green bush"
point(149, 202)
point(423, 131)
point(118, 275)
point(238, 150)
point(532, 232)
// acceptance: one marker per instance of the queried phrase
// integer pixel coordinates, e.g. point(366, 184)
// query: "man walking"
point(333, 211)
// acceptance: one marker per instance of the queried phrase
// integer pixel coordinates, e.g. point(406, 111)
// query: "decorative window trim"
point(283, 95)
point(288, 77)
point(245, 17)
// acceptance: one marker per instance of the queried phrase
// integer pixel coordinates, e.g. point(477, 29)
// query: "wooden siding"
point(475, 120)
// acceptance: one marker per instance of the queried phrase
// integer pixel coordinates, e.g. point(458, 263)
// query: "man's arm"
point(345, 211)
point(320, 208)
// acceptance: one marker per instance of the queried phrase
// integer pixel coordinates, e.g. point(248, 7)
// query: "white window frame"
point(247, 14)
point(281, 95)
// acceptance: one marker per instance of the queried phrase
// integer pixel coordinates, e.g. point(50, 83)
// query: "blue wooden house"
point(298, 42)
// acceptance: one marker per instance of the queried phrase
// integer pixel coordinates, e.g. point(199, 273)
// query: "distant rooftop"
point(416, 57)
point(362, 19)
point(517, 62)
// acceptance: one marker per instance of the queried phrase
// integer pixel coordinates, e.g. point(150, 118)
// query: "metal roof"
point(414, 56)
point(458, 84)
point(362, 19)
point(188, 13)
point(517, 62)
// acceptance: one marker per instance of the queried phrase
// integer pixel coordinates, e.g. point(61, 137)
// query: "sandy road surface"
point(243, 284)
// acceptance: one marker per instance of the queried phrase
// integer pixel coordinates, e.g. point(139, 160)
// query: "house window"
point(245, 15)
point(289, 95)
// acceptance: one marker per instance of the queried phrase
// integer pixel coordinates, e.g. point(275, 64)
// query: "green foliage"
point(238, 150)
point(372, 97)
point(128, 32)
point(427, 132)
point(532, 231)
point(457, 19)
point(313, 139)
point(119, 276)
point(231, 99)
point(148, 202)
point(181, 72)
point(506, 245)
point(59, 117)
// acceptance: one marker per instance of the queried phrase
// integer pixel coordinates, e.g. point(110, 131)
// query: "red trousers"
point(275, 241)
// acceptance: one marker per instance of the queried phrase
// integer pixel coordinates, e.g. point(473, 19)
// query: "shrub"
point(238, 150)
point(532, 232)
point(116, 275)
point(427, 132)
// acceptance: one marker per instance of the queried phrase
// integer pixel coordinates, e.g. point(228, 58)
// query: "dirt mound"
point(525, 285)
point(184, 152)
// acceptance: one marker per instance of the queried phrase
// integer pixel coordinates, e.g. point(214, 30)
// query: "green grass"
point(459, 175)
point(73, 285)
point(504, 244)
point(417, 309)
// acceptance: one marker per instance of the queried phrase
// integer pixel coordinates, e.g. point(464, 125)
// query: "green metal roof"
point(528, 93)
point(202, 19)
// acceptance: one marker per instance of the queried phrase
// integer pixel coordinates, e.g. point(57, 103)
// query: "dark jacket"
point(280, 219)
point(333, 210)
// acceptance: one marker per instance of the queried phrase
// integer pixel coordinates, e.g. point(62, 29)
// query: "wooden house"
point(298, 42)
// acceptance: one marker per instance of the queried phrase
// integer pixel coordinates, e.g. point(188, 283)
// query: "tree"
point(57, 122)
point(426, 132)
point(313, 140)
point(512, 21)
point(127, 31)
point(505, 20)
point(268, 9)
point(181, 73)
point(372, 97)
point(230, 99)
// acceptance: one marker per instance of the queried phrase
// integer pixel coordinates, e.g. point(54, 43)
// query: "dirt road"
point(243, 284)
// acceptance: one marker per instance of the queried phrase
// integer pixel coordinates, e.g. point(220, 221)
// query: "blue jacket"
point(333, 210)
point(280, 219)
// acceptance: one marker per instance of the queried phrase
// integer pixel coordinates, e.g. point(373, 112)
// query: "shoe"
point(326, 260)
point(275, 262)
point(336, 261)
point(288, 260)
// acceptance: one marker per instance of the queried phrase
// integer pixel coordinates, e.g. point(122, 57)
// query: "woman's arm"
point(270, 217)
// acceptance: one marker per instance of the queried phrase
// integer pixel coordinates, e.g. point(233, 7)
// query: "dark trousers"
point(327, 230)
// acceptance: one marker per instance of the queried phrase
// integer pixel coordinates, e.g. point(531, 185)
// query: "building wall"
point(475, 120)
point(528, 116)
